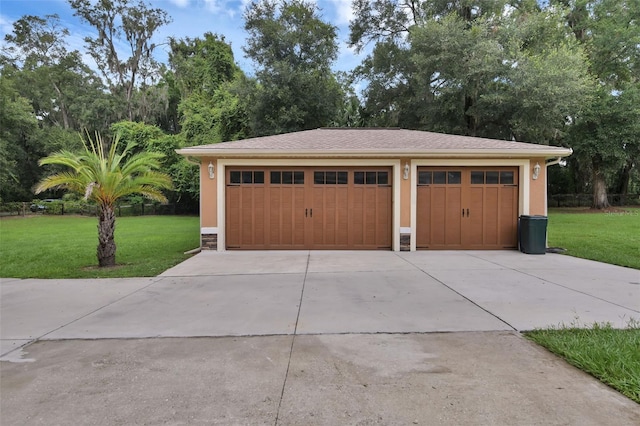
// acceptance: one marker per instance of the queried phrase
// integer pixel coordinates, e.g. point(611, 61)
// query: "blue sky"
point(191, 18)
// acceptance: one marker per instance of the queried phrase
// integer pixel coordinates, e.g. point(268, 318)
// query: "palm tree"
point(104, 177)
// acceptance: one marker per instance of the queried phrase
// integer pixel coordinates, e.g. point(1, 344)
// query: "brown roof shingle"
point(329, 141)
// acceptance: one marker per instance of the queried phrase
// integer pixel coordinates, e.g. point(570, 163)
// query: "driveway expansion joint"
point(523, 272)
point(154, 280)
point(460, 294)
point(293, 339)
point(580, 292)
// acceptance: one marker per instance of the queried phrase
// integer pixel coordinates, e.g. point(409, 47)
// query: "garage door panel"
point(508, 208)
point(438, 217)
point(277, 229)
point(257, 216)
point(453, 216)
point(233, 216)
point(357, 222)
point(483, 217)
point(286, 216)
point(476, 216)
point(246, 217)
point(367, 225)
point(383, 212)
point(299, 218)
point(320, 226)
point(491, 217)
point(342, 217)
point(251, 209)
point(370, 215)
point(333, 219)
point(423, 213)
point(347, 217)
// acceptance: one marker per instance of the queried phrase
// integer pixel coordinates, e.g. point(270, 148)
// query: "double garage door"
point(351, 208)
point(308, 208)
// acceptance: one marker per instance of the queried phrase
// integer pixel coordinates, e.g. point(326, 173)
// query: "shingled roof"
point(372, 142)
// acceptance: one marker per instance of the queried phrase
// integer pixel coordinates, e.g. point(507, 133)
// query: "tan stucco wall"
point(538, 188)
point(532, 192)
point(208, 193)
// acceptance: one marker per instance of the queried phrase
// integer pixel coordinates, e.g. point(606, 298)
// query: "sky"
point(190, 18)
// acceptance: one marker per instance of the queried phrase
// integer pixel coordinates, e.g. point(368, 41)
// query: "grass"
point(65, 246)
point(611, 355)
point(612, 237)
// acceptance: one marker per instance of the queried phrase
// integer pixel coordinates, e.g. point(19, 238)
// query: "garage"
point(467, 208)
point(369, 189)
point(283, 208)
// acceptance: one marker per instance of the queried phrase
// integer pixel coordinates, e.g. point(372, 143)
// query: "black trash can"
point(532, 234)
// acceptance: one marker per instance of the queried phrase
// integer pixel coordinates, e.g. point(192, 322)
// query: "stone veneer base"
point(209, 241)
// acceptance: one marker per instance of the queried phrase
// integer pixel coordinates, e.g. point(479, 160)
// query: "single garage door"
point(467, 208)
point(308, 208)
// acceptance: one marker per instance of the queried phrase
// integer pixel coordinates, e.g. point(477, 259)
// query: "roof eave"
point(552, 152)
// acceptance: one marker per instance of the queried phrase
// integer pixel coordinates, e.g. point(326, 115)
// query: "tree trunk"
point(600, 200)
point(580, 176)
point(624, 178)
point(471, 121)
point(63, 107)
point(106, 233)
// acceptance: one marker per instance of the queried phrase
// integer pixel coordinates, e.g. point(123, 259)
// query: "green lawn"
point(611, 355)
point(607, 237)
point(65, 246)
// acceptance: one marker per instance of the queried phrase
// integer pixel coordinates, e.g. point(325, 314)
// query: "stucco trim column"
point(221, 206)
point(396, 204)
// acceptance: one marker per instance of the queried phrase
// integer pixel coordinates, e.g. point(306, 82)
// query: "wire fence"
point(586, 200)
point(62, 208)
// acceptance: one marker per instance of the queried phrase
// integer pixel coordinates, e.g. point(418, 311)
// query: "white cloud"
point(213, 5)
point(180, 3)
point(226, 7)
point(6, 25)
point(344, 11)
point(346, 50)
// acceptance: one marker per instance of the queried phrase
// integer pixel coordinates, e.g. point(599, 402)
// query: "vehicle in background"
point(41, 205)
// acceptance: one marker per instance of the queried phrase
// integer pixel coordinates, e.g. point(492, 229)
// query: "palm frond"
point(142, 162)
point(107, 176)
point(64, 180)
point(153, 194)
point(158, 179)
point(62, 158)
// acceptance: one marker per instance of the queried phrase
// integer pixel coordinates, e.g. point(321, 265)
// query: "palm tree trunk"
point(106, 233)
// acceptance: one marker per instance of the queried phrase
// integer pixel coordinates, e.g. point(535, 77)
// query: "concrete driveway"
point(347, 338)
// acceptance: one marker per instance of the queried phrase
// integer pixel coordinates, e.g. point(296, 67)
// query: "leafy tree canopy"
point(294, 50)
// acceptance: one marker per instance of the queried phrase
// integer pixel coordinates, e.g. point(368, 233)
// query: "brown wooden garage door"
point(467, 208)
point(308, 208)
